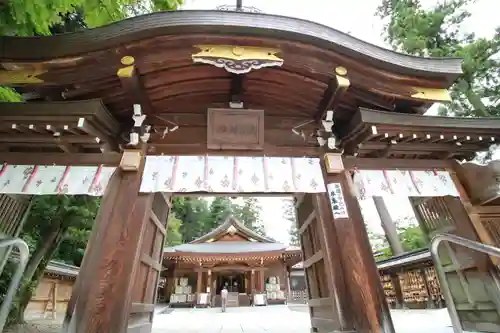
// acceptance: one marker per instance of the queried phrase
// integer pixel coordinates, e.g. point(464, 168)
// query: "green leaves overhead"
point(36, 17)
point(439, 32)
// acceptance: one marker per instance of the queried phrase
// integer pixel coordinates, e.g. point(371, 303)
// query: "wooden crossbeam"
point(111, 159)
point(132, 85)
point(394, 163)
point(40, 138)
point(333, 93)
point(236, 90)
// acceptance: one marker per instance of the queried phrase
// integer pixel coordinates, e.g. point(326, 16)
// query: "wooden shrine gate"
point(124, 255)
point(230, 84)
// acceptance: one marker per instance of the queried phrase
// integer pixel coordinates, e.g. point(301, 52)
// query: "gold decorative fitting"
point(431, 94)
point(237, 59)
point(341, 71)
point(343, 82)
point(126, 72)
point(22, 75)
point(127, 60)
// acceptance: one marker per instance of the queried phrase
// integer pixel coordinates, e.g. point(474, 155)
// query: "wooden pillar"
point(367, 304)
point(391, 233)
point(209, 282)
point(122, 266)
point(247, 283)
point(262, 283)
point(252, 281)
point(287, 283)
point(199, 282)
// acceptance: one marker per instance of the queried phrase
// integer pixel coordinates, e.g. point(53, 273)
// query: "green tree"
point(31, 18)
point(174, 236)
point(28, 18)
point(52, 219)
point(412, 238)
point(194, 213)
point(438, 32)
point(290, 215)
point(219, 210)
point(248, 213)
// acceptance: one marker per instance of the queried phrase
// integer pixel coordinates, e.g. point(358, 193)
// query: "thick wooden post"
point(391, 232)
point(252, 282)
point(122, 266)
point(367, 304)
point(262, 283)
point(209, 282)
point(287, 282)
point(199, 282)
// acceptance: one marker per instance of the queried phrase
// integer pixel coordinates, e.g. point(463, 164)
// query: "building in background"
point(254, 268)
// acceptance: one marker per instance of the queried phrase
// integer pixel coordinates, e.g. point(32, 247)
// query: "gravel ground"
point(35, 328)
point(38, 325)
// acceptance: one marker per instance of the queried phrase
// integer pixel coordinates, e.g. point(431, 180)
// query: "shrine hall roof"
point(227, 247)
point(225, 227)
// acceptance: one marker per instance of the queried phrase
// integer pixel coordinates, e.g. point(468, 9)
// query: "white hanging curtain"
point(224, 174)
point(48, 179)
point(406, 183)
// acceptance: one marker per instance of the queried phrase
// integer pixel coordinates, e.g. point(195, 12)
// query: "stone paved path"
point(281, 319)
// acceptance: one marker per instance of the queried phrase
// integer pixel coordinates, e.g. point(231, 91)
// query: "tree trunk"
point(40, 253)
point(36, 265)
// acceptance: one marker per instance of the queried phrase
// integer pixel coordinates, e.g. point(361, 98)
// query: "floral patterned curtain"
point(407, 183)
point(224, 174)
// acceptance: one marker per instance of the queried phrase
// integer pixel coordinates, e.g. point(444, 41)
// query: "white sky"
point(357, 18)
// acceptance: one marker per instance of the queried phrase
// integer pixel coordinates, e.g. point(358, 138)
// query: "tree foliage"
point(28, 18)
point(52, 221)
point(411, 236)
point(439, 32)
point(35, 18)
point(290, 214)
point(198, 216)
point(249, 214)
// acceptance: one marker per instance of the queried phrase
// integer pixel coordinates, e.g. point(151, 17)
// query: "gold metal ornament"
point(237, 59)
point(431, 94)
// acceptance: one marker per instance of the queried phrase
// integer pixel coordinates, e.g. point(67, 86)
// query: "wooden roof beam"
point(373, 99)
point(333, 94)
point(112, 159)
point(132, 85)
point(424, 147)
point(236, 90)
point(109, 144)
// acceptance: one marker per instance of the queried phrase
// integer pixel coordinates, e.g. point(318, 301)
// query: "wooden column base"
point(368, 306)
point(117, 286)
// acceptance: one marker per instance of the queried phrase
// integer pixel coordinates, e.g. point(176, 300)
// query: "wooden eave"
point(382, 134)
point(168, 85)
point(222, 22)
point(208, 257)
point(70, 127)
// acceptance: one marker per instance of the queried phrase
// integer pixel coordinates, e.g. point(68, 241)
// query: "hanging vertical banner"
point(337, 201)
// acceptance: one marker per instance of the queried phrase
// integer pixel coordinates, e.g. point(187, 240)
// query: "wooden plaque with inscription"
point(235, 129)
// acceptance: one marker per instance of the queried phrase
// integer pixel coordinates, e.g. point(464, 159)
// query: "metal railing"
point(445, 288)
point(16, 279)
